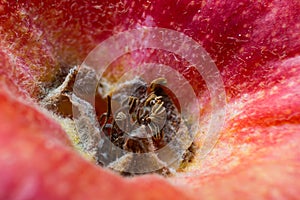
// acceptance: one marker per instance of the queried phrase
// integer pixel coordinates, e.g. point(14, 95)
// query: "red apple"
point(255, 46)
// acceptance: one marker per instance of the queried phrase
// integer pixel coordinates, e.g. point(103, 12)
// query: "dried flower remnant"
point(146, 121)
point(145, 117)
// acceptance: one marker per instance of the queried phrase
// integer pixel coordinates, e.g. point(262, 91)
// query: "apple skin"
point(256, 47)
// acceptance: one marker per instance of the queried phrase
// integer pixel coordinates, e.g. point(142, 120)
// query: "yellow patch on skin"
point(68, 126)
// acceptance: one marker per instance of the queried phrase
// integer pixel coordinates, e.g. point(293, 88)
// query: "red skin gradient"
point(256, 47)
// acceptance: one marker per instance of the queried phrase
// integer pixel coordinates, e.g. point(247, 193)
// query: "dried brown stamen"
point(150, 123)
